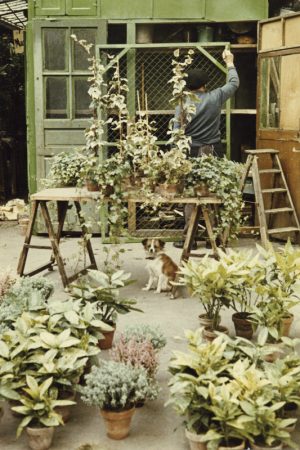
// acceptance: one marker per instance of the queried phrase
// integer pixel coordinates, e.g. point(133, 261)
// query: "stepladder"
point(276, 214)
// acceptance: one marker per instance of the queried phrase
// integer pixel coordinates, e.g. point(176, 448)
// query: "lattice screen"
point(148, 71)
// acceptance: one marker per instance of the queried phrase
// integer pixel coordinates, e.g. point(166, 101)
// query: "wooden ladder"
point(278, 192)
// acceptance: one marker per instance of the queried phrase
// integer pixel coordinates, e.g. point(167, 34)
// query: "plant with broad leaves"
point(38, 406)
point(103, 290)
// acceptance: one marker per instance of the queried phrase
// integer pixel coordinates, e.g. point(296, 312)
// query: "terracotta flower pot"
point(290, 410)
point(277, 446)
point(209, 334)
point(194, 441)
point(243, 327)
point(40, 438)
point(92, 186)
point(65, 411)
point(205, 321)
point(117, 423)
point(286, 324)
point(235, 444)
point(271, 357)
point(106, 343)
point(170, 189)
point(201, 190)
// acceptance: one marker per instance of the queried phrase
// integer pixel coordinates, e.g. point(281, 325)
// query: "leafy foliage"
point(226, 390)
point(144, 332)
point(67, 169)
point(137, 354)
point(117, 386)
point(26, 294)
point(223, 179)
point(38, 406)
point(103, 290)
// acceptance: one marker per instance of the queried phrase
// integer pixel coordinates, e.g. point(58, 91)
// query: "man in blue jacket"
point(204, 127)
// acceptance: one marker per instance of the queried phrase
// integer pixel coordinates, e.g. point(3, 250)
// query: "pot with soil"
point(274, 355)
point(92, 186)
point(107, 341)
point(195, 441)
point(201, 190)
point(276, 446)
point(40, 438)
point(233, 444)
point(286, 324)
point(242, 325)
point(290, 410)
point(206, 322)
point(170, 190)
point(117, 423)
point(65, 411)
point(210, 334)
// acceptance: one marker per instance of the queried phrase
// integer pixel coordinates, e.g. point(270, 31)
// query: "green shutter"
point(178, 9)
point(50, 8)
point(124, 9)
point(81, 7)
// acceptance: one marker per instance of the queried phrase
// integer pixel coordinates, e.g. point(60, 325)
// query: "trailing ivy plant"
point(222, 177)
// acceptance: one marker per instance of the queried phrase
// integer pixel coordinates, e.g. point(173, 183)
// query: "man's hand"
point(228, 58)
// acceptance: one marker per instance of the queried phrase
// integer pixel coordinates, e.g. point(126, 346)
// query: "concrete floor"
point(154, 426)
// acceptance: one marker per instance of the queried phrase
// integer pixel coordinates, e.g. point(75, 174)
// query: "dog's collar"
point(150, 257)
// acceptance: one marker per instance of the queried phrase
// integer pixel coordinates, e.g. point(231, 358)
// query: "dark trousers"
point(198, 151)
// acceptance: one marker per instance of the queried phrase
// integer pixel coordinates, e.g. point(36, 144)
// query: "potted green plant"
point(115, 388)
point(281, 273)
point(169, 171)
point(200, 389)
point(222, 177)
point(102, 289)
point(67, 169)
point(38, 407)
point(145, 332)
point(243, 273)
point(207, 280)
point(136, 353)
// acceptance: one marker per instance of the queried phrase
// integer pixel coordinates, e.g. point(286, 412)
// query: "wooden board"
point(290, 92)
point(271, 35)
point(292, 31)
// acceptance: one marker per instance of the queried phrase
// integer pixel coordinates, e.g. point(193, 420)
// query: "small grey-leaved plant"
point(116, 386)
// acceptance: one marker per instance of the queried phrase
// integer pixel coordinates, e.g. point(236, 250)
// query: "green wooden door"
point(81, 7)
point(50, 8)
point(61, 101)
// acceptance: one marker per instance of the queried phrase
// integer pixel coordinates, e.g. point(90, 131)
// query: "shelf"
point(240, 111)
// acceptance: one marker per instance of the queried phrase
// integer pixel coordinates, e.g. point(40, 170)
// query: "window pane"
point(56, 98)
point(270, 92)
point(82, 99)
point(55, 49)
point(80, 56)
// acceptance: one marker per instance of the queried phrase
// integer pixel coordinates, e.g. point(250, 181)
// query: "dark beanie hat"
point(196, 78)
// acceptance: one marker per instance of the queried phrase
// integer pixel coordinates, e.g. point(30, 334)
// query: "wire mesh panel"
point(148, 71)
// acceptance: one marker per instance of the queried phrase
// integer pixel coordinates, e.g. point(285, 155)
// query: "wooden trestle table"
point(204, 206)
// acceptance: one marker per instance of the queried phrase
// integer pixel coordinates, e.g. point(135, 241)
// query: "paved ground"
point(154, 427)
